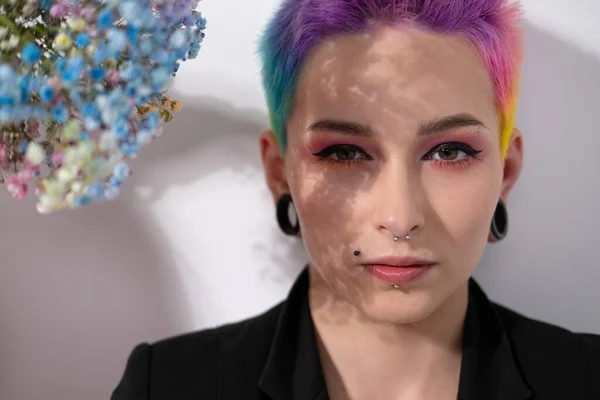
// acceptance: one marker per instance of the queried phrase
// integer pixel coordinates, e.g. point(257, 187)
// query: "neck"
point(363, 358)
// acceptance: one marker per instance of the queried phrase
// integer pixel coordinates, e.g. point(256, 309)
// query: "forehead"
point(395, 75)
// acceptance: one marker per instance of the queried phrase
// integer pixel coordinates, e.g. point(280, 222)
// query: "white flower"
point(3, 32)
point(13, 42)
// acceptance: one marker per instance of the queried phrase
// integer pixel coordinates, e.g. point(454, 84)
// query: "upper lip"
point(398, 261)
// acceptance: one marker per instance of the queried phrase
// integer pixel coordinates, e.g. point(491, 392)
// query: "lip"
point(399, 261)
point(398, 270)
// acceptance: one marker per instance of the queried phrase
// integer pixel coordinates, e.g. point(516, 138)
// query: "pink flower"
point(112, 76)
point(57, 158)
point(88, 13)
point(58, 11)
point(33, 127)
point(16, 186)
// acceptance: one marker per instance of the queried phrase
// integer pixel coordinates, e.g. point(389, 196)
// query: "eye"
point(451, 152)
point(343, 153)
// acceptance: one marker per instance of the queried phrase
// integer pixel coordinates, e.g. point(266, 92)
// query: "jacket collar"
point(489, 369)
point(293, 369)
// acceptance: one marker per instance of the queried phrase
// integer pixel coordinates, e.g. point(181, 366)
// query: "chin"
point(399, 307)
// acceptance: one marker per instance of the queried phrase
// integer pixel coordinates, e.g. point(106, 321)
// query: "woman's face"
point(394, 131)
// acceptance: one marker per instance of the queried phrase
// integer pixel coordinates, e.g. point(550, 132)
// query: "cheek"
point(326, 206)
point(464, 211)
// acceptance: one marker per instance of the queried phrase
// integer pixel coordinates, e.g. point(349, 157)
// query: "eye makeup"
point(447, 150)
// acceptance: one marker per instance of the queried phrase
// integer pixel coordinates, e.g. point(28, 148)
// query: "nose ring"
point(406, 237)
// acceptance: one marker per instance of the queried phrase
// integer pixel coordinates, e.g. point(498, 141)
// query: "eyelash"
point(470, 154)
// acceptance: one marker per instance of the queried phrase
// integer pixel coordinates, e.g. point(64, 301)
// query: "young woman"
point(392, 135)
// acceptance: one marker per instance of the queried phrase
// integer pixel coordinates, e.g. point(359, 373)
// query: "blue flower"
point(132, 34)
point(96, 190)
point(45, 4)
point(70, 75)
point(97, 74)
point(105, 19)
point(61, 64)
point(131, 89)
point(188, 20)
point(111, 193)
point(100, 54)
point(121, 129)
point(153, 120)
point(160, 76)
point(80, 201)
point(117, 40)
point(146, 47)
point(91, 123)
point(143, 137)
point(177, 39)
point(91, 110)
point(84, 136)
point(130, 150)
point(47, 93)
point(82, 40)
point(60, 114)
point(201, 23)
point(7, 74)
point(121, 171)
point(23, 82)
point(130, 10)
point(31, 54)
point(160, 56)
point(6, 100)
point(23, 146)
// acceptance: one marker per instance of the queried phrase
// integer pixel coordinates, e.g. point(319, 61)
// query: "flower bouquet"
point(83, 88)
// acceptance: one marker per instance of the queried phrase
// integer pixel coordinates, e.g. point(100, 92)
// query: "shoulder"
point(254, 332)
point(545, 350)
point(191, 365)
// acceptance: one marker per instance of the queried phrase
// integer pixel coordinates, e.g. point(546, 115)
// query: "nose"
point(397, 202)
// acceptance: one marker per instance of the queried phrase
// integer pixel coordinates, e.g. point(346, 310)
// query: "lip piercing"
point(356, 253)
point(396, 286)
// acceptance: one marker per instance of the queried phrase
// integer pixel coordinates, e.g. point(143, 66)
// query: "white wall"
point(193, 241)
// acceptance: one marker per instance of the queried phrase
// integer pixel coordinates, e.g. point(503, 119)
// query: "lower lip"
point(397, 275)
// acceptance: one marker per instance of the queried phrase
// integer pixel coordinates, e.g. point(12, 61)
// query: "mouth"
point(398, 270)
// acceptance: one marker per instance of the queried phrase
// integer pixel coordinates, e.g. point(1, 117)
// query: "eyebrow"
point(428, 128)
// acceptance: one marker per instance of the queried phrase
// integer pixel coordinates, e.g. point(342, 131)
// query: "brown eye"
point(343, 153)
point(449, 154)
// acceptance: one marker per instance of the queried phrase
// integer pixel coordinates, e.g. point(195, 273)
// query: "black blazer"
point(506, 356)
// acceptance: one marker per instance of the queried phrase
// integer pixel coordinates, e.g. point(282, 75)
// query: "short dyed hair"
point(298, 26)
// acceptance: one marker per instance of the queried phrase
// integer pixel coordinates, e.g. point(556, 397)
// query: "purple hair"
point(298, 26)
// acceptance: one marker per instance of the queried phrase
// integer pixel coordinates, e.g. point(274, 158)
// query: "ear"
point(512, 164)
point(512, 169)
point(274, 164)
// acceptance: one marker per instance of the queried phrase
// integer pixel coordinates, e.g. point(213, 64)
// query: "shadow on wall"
point(548, 265)
point(71, 286)
point(79, 289)
point(210, 136)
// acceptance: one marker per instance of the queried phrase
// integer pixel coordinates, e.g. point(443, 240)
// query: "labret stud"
point(396, 286)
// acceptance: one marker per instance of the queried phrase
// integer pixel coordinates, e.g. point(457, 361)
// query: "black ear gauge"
point(356, 253)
